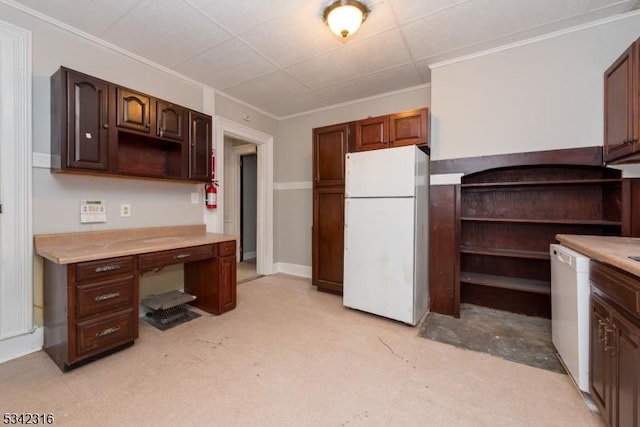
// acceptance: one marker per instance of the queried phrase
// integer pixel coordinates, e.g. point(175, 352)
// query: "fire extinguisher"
point(211, 196)
point(210, 192)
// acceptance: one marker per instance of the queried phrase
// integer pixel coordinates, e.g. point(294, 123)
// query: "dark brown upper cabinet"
point(330, 146)
point(199, 146)
point(395, 130)
point(170, 119)
point(409, 128)
point(622, 107)
point(97, 126)
point(372, 133)
point(133, 110)
point(80, 121)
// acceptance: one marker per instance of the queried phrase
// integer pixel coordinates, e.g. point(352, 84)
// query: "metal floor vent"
point(168, 309)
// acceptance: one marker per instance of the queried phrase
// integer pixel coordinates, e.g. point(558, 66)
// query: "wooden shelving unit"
point(514, 283)
point(510, 216)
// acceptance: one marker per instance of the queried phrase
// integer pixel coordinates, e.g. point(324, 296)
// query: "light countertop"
point(67, 248)
point(609, 249)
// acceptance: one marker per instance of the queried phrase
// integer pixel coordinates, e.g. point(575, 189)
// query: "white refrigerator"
point(386, 235)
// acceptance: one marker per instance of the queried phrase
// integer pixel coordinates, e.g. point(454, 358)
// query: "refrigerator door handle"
point(346, 224)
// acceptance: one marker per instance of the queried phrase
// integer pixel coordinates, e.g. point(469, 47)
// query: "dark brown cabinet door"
point(408, 128)
point(328, 239)
point(133, 110)
point(600, 359)
point(330, 146)
point(372, 133)
point(199, 146)
point(621, 105)
point(227, 283)
point(87, 122)
point(170, 119)
point(626, 372)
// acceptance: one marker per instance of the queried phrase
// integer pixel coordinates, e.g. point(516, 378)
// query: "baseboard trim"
point(293, 269)
point(21, 345)
point(249, 255)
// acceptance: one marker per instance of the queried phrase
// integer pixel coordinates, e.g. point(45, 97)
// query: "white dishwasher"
point(570, 311)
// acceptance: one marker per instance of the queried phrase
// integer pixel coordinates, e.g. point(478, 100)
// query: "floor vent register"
point(169, 309)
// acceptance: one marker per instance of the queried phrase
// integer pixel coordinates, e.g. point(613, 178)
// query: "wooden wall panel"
point(631, 207)
point(444, 254)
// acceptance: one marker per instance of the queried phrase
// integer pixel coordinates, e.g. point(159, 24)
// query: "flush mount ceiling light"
point(344, 17)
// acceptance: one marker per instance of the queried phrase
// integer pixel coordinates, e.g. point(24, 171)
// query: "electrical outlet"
point(125, 210)
point(195, 198)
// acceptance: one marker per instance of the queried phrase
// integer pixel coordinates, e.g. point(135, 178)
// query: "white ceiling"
point(279, 56)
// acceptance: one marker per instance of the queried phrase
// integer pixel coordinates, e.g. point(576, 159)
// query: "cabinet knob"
point(147, 125)
point(105, 126)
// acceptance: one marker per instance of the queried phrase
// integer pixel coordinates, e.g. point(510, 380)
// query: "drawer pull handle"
point(601, 326)
point(108, 331)
point(110, 295)
point(182, 256)
point(607, 331)
point(107, 268)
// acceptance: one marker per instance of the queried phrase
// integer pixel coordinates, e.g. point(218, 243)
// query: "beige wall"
point(293, 165)
point(544, 95)
point(234, 111)
point(56, 197)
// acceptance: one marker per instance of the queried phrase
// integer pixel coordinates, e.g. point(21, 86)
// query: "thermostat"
point(93, 211)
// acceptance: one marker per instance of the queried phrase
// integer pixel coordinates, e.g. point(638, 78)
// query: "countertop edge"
point(611, 250)
point(69, 251)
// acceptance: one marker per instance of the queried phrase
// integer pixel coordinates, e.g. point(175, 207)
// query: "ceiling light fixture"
point(344, 17)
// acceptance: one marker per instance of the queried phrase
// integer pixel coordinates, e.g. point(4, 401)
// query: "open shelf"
point(508, 218)
point(566, 182)
point(545, 221)
point(510, 253)
point(505, 282)
point(149, 157)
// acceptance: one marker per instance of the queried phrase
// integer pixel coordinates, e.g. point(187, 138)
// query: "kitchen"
point(563, 91)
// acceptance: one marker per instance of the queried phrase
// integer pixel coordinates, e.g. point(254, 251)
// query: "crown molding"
point(536, 39)
point(103, 43)
point(356, 101)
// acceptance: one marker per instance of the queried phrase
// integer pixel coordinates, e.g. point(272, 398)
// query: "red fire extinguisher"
point(211, 196)
point(210, 192)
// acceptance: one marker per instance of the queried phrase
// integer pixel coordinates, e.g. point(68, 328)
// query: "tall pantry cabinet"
point(330, 145)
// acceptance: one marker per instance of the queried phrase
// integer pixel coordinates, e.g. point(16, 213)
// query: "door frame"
point(16, 228)
point(264, 143)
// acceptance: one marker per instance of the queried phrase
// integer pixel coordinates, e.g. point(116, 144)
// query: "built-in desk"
point(91, 283)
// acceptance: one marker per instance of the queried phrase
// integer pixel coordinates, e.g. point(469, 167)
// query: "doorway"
point(240, 210)
point(224, 130)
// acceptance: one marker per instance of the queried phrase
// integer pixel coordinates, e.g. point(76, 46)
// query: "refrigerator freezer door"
point(390, 172)
point(379, 257)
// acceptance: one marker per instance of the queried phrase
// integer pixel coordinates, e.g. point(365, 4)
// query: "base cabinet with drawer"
point(90, 308)
point(615, 345)
point(221, 297)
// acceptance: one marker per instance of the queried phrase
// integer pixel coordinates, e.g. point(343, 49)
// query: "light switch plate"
point(93, 211)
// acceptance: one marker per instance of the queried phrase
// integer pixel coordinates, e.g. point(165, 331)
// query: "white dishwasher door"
point(570, 311)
